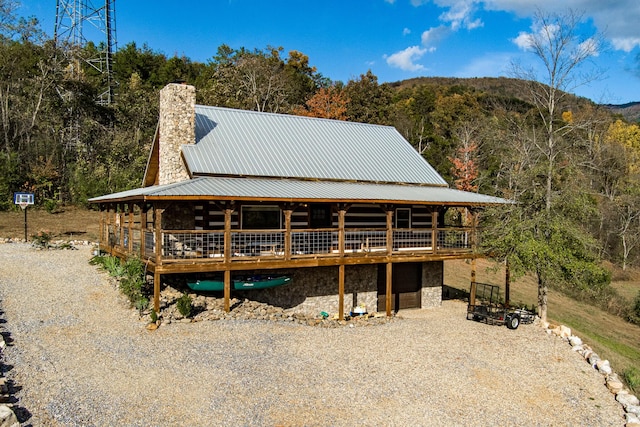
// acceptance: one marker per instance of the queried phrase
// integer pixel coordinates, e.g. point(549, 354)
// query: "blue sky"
point(395, 39)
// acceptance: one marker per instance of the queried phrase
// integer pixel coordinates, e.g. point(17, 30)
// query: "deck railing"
point(246, 244)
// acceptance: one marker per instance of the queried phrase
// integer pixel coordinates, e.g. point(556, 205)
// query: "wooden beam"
point(341, 292)
point(341, 214)
point(227, 291)
point(287, 233)
point(388, 289)
point(157, 223)
point(472, 289)
point(434, 230)
point(389, 231)
point(227, 258)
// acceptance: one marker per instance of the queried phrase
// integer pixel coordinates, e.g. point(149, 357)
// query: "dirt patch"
point(66, 223)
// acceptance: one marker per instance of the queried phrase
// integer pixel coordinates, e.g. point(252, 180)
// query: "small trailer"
point(488, 307)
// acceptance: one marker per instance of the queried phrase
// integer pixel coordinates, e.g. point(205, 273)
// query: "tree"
point(546, 233)
point(369, 101)
point(328, 103)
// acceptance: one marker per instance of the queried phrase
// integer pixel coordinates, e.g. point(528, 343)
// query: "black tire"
point(512, 321)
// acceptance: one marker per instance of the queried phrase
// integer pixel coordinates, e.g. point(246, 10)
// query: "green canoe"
point(239, 284)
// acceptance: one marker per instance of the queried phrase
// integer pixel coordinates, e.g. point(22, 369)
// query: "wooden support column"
point(341, 214)
point(388, 289)
point(227, 259)
point(472, 289)
point(121, 225)
point(157, 224)
point(130, 246)
point(434, 230)
point(287, 233)
point(389, 231)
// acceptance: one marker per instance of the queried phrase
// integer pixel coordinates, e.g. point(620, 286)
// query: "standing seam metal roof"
point(289, 189)
point(248, 143)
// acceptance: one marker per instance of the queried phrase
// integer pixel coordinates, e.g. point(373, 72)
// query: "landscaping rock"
point(7, 417)
point(575, 341)
point(626, 399)
point(604, 367)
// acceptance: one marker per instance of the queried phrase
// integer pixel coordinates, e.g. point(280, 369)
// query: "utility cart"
point(488, 307)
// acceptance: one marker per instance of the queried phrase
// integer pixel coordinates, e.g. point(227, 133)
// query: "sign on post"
point(24, 200)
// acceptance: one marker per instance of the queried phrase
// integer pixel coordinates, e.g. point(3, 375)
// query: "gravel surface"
point(81, 357)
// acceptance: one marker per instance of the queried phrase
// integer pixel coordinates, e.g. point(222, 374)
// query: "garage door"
point(405, 288)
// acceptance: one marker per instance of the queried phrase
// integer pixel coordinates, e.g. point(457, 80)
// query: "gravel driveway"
point(80, 357)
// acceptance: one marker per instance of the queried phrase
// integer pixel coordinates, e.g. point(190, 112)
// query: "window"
point(320, 216)
point(261, 218)
point(403, 218)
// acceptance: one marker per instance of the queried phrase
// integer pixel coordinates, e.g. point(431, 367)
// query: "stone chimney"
point(176, 127)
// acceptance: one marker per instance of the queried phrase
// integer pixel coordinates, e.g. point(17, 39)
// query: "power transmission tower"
point(79, 22)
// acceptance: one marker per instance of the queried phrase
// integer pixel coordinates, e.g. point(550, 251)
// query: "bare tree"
point(562, 54)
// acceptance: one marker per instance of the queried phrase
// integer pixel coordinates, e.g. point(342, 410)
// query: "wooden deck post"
point(388, 289)
point(389, 231)
point(341, 214)
point(120, 220)
point(434, 230)
point(157, 223)
point(287, 233)
point(227, 259)
point(472, 290)
point(130, 248)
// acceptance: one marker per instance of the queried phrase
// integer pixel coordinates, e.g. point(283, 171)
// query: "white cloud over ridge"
point(405, 59)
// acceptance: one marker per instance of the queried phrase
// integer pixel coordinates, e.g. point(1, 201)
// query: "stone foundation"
point(314, 290)
point(432, 279)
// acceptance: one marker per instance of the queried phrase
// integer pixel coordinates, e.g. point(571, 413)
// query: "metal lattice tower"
point(79, 22)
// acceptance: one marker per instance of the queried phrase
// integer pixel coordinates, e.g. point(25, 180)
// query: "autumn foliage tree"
point(328, 103)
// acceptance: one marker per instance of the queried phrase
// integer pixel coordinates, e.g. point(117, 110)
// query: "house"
point(350, 211)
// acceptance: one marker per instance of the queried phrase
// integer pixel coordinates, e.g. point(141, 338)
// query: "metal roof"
point(222, 188)
point(247, 143)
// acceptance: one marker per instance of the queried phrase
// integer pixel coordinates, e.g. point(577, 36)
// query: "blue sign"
point(26, 198)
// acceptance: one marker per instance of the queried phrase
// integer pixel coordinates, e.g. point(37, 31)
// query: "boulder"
point(7, 417)
point(633, 409)
point(604, 367)
point(593, 359)
point(632, 420)
point(575, 341)
point(614, 384)
point(626, 399)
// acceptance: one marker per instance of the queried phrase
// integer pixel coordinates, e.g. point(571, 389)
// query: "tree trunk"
point(542, 298)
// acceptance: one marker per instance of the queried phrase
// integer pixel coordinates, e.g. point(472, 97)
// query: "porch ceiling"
point(289, 190)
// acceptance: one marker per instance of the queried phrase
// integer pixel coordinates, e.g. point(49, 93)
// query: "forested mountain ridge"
point(629, 111)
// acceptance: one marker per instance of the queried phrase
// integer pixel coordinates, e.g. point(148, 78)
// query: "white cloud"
point(434, 35)
point(406, 32)
point(405, 59)
point(618, 20)
point(589, 47)
point(526, 40)
point(625, 44)
point(460, 15)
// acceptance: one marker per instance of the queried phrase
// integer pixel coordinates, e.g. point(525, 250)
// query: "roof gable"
point(248, 143)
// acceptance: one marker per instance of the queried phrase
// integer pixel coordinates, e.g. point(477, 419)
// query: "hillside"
point(506, 87)
point(630, 111)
